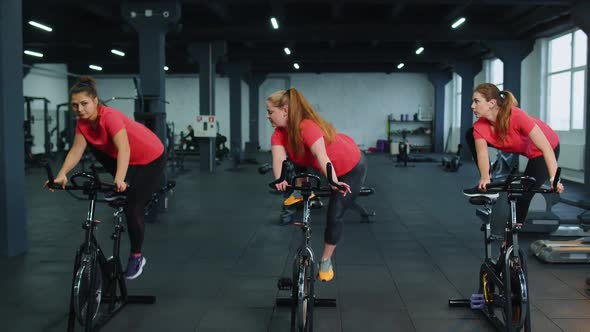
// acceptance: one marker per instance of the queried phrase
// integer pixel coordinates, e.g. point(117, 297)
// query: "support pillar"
point(512, 53)
point(207, 54)
point(254, 81)
point(152, 21)
point(467, 70)
point(439, 80)
point(13, 221)
point(235, 72)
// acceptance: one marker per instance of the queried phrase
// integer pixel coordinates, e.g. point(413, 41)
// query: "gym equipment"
point(302, 299)
point(404, 151)
point(96, 279)
point(64, 138)
point(154, 205)
point(572, 251)
point(286, 216)
point(503, 283)
point(29, 137)
point(452, 163)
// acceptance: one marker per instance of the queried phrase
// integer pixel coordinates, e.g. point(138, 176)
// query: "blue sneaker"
point(134, 267)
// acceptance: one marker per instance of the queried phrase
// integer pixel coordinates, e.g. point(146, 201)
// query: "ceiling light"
point(458, 22)
point(40, 26)
point(31, 53)
point(296, 65)
point(95, 67)
point(420, 50)
point(117, 52)
point(287, 50)
point(400, 66)
point(166, 68)
point(274, 22)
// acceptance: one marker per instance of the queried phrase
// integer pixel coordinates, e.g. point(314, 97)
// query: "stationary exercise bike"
point(303, 300)
point(503, 283)
point(97, 280)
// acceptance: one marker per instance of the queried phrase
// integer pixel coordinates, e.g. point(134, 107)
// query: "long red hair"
point(299, 109)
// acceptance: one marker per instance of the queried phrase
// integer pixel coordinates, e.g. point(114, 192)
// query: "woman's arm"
point(318, 149)
point(279, 154)
point(483, 162)
point(542, 143)
point(74, 155)
point(121, 141)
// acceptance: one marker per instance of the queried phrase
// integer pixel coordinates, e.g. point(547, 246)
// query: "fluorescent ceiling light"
point(296, 65)
point(95, 67)
point(420, 50)
point(400, 66)
point(287, 50)
point(117, 52)
point(31, 53)
point(166, 68)
point(40, 26)
point(274, 22)
point(458, 22)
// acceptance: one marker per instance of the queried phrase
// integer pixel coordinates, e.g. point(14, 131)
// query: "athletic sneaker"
point(326, 272)
point(134, 266)
point(111, 196)
point(474, 192)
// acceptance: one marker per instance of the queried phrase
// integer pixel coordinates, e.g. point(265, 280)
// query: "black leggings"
point(338, 204)
point(143, 181)
point(536, 167)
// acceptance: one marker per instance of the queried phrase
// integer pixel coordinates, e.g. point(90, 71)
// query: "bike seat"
point(483, 200)
point(115, 199)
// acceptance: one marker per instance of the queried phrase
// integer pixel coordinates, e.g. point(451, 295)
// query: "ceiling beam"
point(350, 33)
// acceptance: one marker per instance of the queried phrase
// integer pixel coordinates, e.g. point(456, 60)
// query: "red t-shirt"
point(343, 151)
point(517, 138)
point(145, 146)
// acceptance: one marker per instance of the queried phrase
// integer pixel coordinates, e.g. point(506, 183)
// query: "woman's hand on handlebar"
point(344, 188)
point(282, 186)
point(559, 188)
point(120, 185)
point(60, 179)
point(483, 183)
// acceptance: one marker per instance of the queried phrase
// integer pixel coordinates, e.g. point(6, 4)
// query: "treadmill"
point(572, 251)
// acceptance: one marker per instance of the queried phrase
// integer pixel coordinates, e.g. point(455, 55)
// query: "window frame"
point(571, 70)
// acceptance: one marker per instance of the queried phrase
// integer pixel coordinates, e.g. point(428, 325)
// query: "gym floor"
point(214, 259)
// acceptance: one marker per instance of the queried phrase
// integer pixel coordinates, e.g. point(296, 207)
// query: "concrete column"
point(152, 21)
point(13, 221)
point(512, 53)
point(254, 81)
point(581, 15)
point(207, 54)
point(439, 80)
point(467, 70)
point(235, 72)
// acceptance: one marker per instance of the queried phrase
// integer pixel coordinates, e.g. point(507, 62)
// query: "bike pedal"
point(285, 284)
point(477, 301)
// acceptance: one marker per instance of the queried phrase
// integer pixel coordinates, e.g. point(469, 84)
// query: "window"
point(495, 73)
point(456, 119)
point(566, 81)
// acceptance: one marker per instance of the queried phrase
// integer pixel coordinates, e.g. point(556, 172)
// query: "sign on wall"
point(206, 126)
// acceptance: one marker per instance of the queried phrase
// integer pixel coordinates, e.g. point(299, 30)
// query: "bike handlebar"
point(522, 184)
point(315, 187)
point(93, 183)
